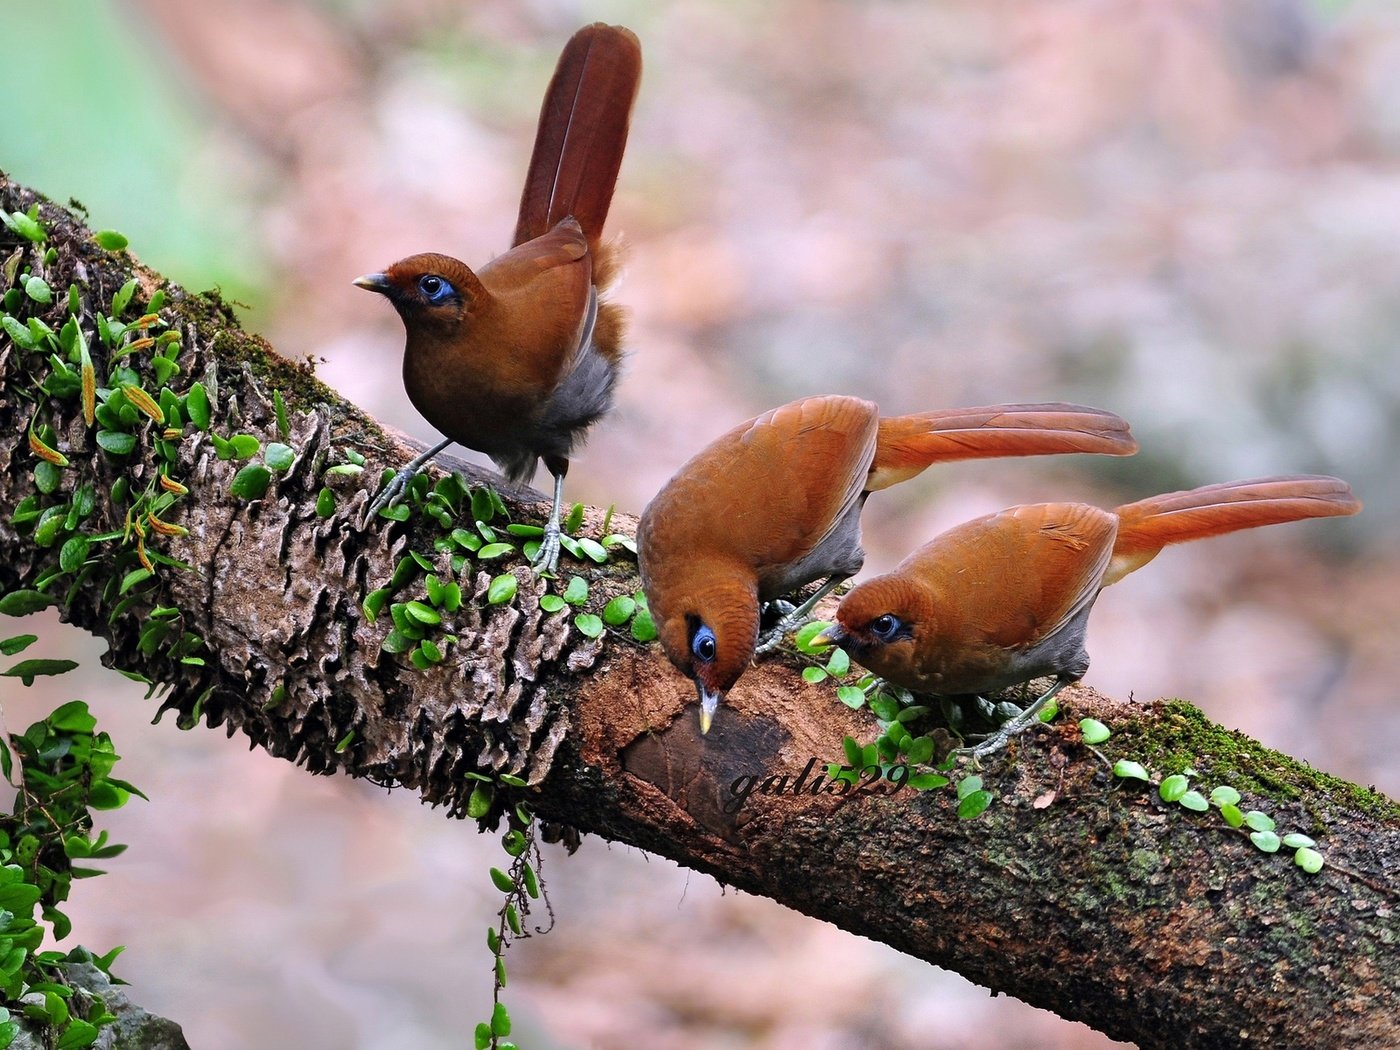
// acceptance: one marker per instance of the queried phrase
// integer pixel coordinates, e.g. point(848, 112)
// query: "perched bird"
point(518, 359)
point(1006, 598)
point(775, 504)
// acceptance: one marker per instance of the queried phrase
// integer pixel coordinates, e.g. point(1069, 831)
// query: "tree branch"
point(1077, 891)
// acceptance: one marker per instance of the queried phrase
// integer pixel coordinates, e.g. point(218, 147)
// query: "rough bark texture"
point(1076, 891)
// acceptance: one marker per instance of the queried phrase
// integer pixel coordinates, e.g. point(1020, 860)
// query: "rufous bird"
point(1006, 598)
point(775, 504)
point(519, 358)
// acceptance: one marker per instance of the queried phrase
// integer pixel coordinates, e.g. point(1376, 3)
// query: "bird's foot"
point(773, 637)
point(390, 493)
point(546, 560)
point(994, 742)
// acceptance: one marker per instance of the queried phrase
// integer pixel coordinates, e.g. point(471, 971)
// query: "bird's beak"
point(374, 282)
point(709, 703)
point(833, 635)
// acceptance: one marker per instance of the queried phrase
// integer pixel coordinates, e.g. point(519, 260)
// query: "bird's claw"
point(389, 494)
point(546, 560)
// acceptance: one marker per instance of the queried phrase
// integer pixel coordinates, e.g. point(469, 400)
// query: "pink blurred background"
point(1188, 213)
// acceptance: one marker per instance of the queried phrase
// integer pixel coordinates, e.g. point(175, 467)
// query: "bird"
point(1005, 598)
point(520, 357)
point(775, 504)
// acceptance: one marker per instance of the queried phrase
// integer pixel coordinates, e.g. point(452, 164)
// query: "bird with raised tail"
point(1006, 598)
point(519, 358)
point(775, 504)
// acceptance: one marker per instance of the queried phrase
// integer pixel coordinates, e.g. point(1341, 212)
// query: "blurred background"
point(1188, 213)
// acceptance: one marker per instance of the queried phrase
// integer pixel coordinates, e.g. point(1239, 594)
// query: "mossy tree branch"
point(1076, 891)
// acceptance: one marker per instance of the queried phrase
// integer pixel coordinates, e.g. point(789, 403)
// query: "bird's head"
point(430, 292)
point(709, 634)
point(879, 623)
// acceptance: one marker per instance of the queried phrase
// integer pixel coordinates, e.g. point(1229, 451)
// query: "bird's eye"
point(703, 645)
point(885, 627)
point(434, 287)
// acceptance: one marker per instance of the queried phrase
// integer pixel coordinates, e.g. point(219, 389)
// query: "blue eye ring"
point(435, 289)
point(885, 627)
point(703, 645)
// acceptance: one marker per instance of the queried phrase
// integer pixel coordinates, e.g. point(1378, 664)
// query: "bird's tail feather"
point(1148, 525)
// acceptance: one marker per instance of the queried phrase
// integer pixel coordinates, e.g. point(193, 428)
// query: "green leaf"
point(551, 603)
point(968, 785)
point(574, 521)
point(18, 333)
point(279, 456)
point(38, 289)
point(479, 804)
point(279, 409)
point(1094, 731)
point(619, 610)
point(839, 664)
point(482, 1036)
point(117, 442)
point(500, 1021)
point(21, 642)
point(1297, 840)
point(1257, 821)
point(1129, 769)
point(398, 642)
point(73, 553)
point(1266, 841)
point(425, 614)
point(643, 626)
point(1310, 860)
point(110, 239)
point(532, 884)
point(325, 503)
point(494, 550)
point(134, 577)
point(502, 589)
point(593, 550)
point(809, 631)
point(24, 602)
point(589, 625)
point(813, 675)
point(251, 482)
point(77, 1035)
point(430, 652)
point(1231, 814)
point(122, 298)
point(974, 805)
point(197, 406)
point(244, 446)
point(576, 593)
point(1050, 711)
point(502, 880)
point(853, 751)
point(26, 226)
point(919, 750)
point(927, 781)
point(1225, 796)
point(853, 696)
point(1194, 801)
point(1173, 787)
point(27, 670)
point(374, 601)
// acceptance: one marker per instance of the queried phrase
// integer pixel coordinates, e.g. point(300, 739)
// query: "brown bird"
point(775, 504)
point(1006, 598)
point(518, 359)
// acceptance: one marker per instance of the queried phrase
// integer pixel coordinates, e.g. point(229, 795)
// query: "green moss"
point(1183, 736)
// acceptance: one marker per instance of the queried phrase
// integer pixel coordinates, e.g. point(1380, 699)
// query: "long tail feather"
point(1145, 527)
point(909, 444)
point(582, 133)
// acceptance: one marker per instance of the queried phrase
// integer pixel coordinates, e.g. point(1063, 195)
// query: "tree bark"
point(1076, 891)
